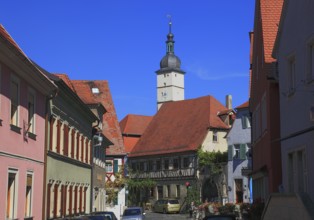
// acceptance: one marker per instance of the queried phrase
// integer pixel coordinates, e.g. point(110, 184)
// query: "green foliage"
point(193, 195)
point(140, 183)
point(213, 160)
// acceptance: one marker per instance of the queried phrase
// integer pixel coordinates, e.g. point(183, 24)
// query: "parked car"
point(167, 206)
point(220, 217)
point(110, 215)
point(134, 213)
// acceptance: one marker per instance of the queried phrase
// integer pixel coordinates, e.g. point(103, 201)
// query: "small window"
point(168, 191)
point(178, 191)
point(291, 75)
point(175, 163)
point(245, 121)
point(215, 136)
point(158, 165)
point(14, 102)
point(109, 167)
point(29, 194)
point(12, 194)
point(31, 112)
point(236, 151)
point(310, 61)
point(166, 164)
point(186, 162)
point(150, 165)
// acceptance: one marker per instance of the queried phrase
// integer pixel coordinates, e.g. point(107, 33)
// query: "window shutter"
point(243, 151)
point(115, 166)
point(230, 152)
point(243, 122)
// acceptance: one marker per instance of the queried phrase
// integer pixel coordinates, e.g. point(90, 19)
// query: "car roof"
point(135, 207)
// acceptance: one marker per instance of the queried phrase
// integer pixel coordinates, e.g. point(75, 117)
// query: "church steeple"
point(170, 41)
point(170, 77)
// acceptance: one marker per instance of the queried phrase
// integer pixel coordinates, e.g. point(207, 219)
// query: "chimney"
point(229, 101)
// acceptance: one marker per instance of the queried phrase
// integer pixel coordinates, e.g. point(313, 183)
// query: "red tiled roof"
point(111, 128)
point(243, 105)
point(134, 124)
point(65, 79)
point(132, 127)
point(8, 37)
point(180, 126)
point(270, 16)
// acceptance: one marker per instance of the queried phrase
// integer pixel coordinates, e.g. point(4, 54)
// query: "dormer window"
point(95, 90)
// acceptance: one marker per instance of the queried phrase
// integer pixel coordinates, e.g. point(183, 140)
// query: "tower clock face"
point(164, 94)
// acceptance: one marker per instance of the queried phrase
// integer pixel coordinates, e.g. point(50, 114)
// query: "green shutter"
point(242, 151)
point(230, 152)
point(115, 166)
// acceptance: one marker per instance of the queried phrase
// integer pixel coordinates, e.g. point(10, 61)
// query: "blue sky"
point(123, 41)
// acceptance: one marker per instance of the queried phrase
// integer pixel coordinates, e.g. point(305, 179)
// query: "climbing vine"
point(213, 160)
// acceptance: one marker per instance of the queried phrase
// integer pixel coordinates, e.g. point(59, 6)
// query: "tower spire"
point(170, 41)
point(170, 23)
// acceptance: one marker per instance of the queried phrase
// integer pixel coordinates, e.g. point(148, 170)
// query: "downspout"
point(52, 96)
point(92, 169)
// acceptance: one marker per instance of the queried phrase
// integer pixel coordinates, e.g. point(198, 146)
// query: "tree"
point(214, 162)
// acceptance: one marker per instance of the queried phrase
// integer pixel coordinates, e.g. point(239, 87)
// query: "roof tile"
point(180, 126)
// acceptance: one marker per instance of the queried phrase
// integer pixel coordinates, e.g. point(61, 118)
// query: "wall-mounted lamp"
point(97, 139)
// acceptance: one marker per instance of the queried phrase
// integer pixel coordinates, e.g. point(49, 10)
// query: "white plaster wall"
point(221, 145)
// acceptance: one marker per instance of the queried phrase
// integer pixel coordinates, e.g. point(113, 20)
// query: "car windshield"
point(129, 212)
point(173, 201)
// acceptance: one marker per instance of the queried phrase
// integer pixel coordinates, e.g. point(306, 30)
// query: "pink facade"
point(19, 153)
point(23, 94)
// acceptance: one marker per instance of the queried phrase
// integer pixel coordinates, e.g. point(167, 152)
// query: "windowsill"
point(15, 128)
point(31, 136)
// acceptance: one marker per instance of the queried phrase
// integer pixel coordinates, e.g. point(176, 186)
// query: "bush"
point(227, 208)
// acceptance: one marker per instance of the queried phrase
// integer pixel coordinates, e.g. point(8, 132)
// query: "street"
point(156, 216)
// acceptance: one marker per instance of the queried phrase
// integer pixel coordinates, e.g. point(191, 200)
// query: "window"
point(186, 162)
point(31, 112)
point(150, 165)
point(297, 171)
point(178, 191)
point(245, 121)
point(310, 61)
point(115, 166)
point(264, 113)
point(291, 75)
point(141, 166)
point(158, 165)
point(175, 163)
point(168, 191)
point(12, 194)
point(133, 165)
point(215, 136)
point(14, 102)
point(29, 193)
point(109, 167)
point(166, 164)
point(236, 151)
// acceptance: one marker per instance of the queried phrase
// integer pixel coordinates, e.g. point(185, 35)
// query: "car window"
point(129, 212)
point(174, 201)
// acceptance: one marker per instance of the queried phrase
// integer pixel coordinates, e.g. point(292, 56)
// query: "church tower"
point(170, 77)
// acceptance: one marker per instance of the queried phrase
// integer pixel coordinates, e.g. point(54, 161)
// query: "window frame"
point(14, 197)
point(215, 136)
point(29, 198)
point(32, 125)
point(15, 80)
point(291, 77)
